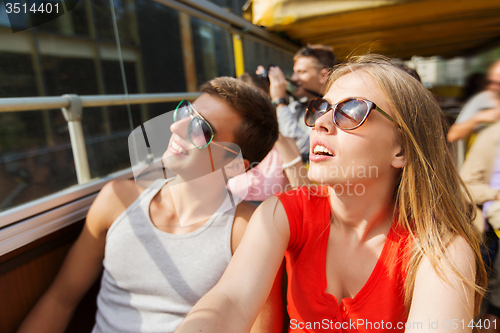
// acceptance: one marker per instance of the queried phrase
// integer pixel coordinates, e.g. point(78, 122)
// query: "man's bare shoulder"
point(112, 200)
point(244, 211)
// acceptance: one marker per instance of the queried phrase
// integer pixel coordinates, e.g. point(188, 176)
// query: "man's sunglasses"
point(348, 114)
point(200, 133)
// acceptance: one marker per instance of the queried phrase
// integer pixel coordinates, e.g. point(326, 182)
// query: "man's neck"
point(198, 199)
point(312, 94)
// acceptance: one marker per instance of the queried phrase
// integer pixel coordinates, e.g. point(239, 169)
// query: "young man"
point(481, 174)
point(156, 267)
point(311, 67)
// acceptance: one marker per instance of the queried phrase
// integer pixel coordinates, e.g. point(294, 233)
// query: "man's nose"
point(294, 77)
point(180, 127)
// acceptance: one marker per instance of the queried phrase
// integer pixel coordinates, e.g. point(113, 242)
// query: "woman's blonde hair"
point(430, 198)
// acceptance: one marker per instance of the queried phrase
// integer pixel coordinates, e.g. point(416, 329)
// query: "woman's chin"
point(318, 177)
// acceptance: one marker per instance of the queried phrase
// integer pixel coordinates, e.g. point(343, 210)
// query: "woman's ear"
point(399, 159)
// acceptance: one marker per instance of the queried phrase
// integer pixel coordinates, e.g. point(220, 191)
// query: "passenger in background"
point(481, 173)
point(474, 84)
point(268, 177)
point(408, 70)
point(483, 108)
point(156, 268)
point(311, 67)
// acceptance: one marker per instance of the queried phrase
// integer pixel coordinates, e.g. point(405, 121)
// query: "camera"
point(265, 73)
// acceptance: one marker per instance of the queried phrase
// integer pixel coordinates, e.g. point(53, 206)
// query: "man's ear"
point(246, 163)
point(324, 74)
point(399, 159)
point(237, 167)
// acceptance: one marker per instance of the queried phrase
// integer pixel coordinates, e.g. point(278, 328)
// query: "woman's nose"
point(325, 123)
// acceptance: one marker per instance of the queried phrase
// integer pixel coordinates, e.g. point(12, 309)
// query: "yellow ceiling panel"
point(396, 28)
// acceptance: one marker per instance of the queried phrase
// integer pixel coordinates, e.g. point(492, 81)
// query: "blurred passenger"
point(311, 67)
point(474, 84)
point(408, 70)
point(365, 252)
point(481, 173)
point(268, 177)
point(483, 108)
point(156, 268)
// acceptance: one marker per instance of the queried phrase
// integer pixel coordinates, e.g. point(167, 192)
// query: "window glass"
point(213, 49)
point(17, 78)
point(65, 75)
point(74, 22)
point(235, 6)
point(77, 54)
point(125, 19)
point(161, 52)
point(107, 144)
point(35, 153)
point(14, 21)
point(32, 169)
point(256, 54)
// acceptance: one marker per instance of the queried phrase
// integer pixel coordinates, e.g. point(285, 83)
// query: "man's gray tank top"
point(151, 278)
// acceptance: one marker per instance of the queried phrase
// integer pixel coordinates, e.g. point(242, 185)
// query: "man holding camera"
point(311, 67)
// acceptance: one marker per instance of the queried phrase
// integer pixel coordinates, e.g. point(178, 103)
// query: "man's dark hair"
point(256, 81)
point(408, 70)
point(322, 53)
point(259, 126)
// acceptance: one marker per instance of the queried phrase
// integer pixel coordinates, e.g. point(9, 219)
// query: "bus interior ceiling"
point(396, 28)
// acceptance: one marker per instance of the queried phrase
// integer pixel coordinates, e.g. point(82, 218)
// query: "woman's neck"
point(365, 212)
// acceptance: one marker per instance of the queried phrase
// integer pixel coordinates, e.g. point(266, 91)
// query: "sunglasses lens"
point(315, 109)
point(199, 133)
point(350, 113)
point(182, 111)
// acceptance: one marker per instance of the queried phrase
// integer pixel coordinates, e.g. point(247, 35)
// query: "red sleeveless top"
point(378, 306)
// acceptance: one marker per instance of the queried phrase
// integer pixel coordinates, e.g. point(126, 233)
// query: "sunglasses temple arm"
point(224, 147)
point(386, 115)
point(211, 158)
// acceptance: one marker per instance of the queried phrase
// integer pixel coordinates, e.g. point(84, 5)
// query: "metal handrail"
point(72, 108)
point(32, 103)
point(57, 102)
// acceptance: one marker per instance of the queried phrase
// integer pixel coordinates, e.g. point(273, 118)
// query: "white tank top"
point(151, 278)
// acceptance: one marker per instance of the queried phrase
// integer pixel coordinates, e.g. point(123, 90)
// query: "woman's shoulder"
point(304, 201)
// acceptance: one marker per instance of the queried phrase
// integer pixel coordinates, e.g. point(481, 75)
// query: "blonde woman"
point(385, 245)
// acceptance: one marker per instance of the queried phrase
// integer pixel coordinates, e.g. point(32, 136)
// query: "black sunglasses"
point(200, 132)
point(348, 114)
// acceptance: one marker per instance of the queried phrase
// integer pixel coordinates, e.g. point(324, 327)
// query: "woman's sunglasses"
point(348, 114)
point(200, 133)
